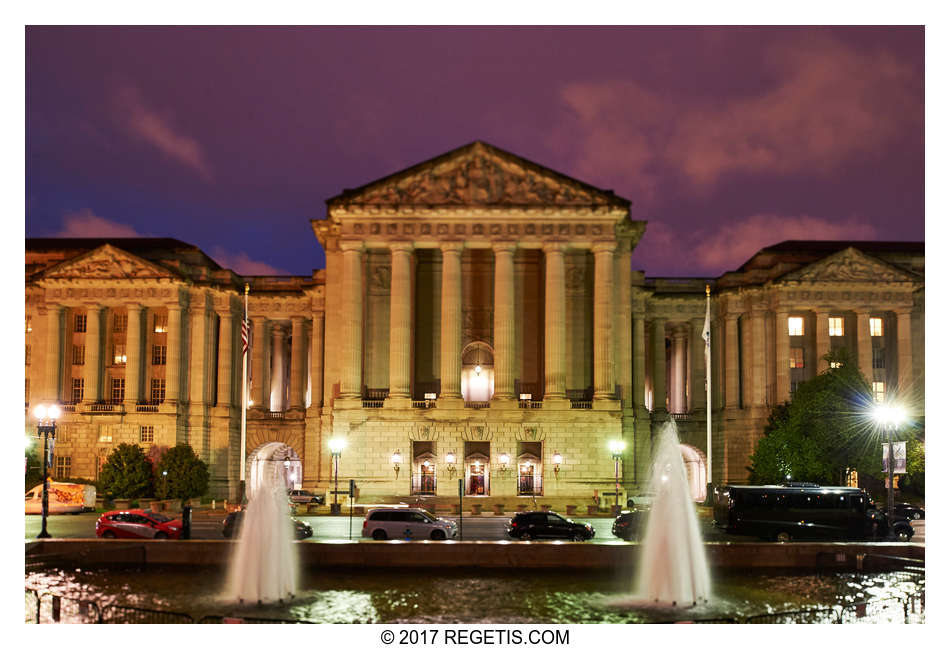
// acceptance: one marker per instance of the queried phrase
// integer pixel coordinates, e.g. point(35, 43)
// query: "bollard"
point(186, 522)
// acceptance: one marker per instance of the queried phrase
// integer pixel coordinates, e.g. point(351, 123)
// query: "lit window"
point(796, 326)
point(877, 326)
point(835, 364)
point(158, 391)
point(118, 354)
point(161, 324)
point(797, 357)
point(29, 324)
point(79, 354)
point(120, 323)
point(80, 324)
point(835, 326)
point(118, 390)
point(63, 466)
point(877, 388)
point(158, 354)
point(77, 390)
point(147, 434)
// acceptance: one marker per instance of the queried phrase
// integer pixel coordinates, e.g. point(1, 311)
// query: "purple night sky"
point(726, 140)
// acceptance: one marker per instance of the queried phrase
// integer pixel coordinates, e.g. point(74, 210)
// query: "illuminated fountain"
point(264, 565)
point(673, 567)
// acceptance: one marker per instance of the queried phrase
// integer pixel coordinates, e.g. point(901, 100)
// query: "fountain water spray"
point(673, 567)
point(264, 565)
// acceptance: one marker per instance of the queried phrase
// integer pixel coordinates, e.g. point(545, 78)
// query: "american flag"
point(244, 334)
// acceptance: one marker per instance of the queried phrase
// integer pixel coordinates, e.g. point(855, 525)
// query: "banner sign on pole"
point(900, 457)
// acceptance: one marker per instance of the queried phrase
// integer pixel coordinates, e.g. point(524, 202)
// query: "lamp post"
point(46, 417)
point(616, 450)
point(164, 484)
point(336, 448)
point(396, 459)
point(890, 417)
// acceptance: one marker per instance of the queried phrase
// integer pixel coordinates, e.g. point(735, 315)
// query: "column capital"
point(600, 247)
point(349, 245)
point(131, 306)
point(554, 246)
point(504, 246)
point(401, 246)
point(297, 319)
point(277, 329)
point(451, 247)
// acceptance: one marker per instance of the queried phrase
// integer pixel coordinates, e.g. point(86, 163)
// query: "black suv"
point(629, 525)
point(232, 526)
point(528, 526)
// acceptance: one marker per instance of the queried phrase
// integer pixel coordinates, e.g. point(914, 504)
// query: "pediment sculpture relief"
point(108, 263)
point(849, 266)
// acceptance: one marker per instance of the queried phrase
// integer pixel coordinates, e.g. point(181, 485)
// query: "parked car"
point(644, 499)
point(305, 497)
point(137, 524)
point(384, 523)
point(231, 526)
point(629, 525)
point(528, 526)
point(906, 510)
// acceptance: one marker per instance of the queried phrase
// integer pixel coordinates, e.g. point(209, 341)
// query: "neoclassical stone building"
point(477, 319)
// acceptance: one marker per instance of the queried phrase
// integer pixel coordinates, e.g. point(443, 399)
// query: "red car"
point(137, 524)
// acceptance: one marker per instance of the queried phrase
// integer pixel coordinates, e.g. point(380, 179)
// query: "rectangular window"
point(796, 326)
point(77, 390)
point(120, 323)
point(161, 324)
point(877, 388)
point(63, 466)
point(80, 324)
point(118, 390)
point(28, 354)
point(158, 390)
point(877, 326)
point(158, 354)
point(835, 326)
point(877, 357)
point(118, 354)
point(29, 324)
point(79, 354)
point(797, 357)
point(147, 434)
point(835, 364)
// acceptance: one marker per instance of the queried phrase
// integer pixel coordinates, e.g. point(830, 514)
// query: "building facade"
point(477, 320)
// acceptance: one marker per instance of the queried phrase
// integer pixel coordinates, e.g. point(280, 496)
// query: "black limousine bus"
point(786, 512)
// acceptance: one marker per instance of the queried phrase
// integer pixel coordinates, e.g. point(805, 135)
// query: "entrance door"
point(526, 479)
point(427, 479)
point(476, 479)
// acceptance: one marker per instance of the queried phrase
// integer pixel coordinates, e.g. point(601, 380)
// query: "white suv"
point(408, 523)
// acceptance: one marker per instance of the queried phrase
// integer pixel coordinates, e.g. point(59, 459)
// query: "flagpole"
point(244, 341)
point(709, 463)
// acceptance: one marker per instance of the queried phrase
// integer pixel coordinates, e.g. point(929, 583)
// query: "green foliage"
point(187, 477)
point(913, 480)
point(34, 465)
point(822, 432)
point(127, 473)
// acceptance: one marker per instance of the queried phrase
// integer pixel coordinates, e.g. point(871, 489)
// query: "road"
point(335, 528)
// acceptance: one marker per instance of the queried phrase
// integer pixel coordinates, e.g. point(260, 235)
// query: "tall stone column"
point(199, 371)
point(278, 336)
point(697, 366)
point(400, 324)
point(259, 395)
point(351, 380)
point(623, 366)
point(92, 372)
point(173, 356)
point(659, 366)
point(678, 372)
point(52, 388)
point(133, 356)
point(451, 353)
point(603, 327)
point(783, 354)
point(225, 358)
point(822, 342)
point(298, 361)
point(730, 353)
point(639, 362)
point(905, 375)
point(504, 322)
point(864, 344)
point(758, 390)
point(316, 361)
point(555, 334)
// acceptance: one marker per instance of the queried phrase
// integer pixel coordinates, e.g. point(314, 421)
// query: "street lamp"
point(557, 458)
point(396, 459)
point(616, 447)
point(890, 417)
point(450, 462)
point(46, 417)
point(336, 448)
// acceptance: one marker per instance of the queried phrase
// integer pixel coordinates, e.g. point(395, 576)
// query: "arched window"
point(478, 372)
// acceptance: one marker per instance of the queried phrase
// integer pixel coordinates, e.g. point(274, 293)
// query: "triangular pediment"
point(108, 262)
point(478, 174)
point(849, 265)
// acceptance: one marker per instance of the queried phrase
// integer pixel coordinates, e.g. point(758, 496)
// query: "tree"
point(823, 431)
point(34, 465)
point(187, 477)
point(127, 473)
point(913, 480)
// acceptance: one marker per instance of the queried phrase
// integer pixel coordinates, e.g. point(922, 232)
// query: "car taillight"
point(364, 523)
point(514, 523)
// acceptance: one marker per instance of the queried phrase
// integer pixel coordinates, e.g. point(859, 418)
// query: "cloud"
point(85, 223)
point(159, 131)
point(830, 103)
point(242, 264)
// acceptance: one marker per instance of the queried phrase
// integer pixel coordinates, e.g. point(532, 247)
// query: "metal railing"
point(530, 486)
point(531, 404)
point(424, 404)
point(423, 484)
point(102, 407)
point(146, 407)
point(477, 405)
point(276, 414)
point(679, 416)
point(581, 405)
point(373, 403)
